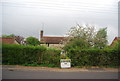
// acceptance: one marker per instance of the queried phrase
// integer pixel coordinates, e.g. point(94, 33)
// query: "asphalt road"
point(26, 74)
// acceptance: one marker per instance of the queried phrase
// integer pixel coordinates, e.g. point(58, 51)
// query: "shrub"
point(76, 43)
point(29, 55)
point(94, 57)
point(51, 56)
point(19, 54)
point(39, 55)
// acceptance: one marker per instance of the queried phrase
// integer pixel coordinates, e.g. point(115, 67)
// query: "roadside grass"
point(42, 65)
point(52, 66)
point(96, 66)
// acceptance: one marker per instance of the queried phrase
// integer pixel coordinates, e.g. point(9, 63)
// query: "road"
point(41, 74)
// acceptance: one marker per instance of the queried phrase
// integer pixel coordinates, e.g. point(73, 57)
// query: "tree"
point(11, 35)
point(32, 41)
point(100, 40)
point(83, 37)
point(80, 37)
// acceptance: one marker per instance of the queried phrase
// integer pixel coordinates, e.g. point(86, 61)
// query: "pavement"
point(22, 72)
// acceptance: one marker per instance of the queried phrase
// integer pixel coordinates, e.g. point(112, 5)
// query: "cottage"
point(54, 42)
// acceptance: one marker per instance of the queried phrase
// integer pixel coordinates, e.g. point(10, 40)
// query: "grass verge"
point(33, 65)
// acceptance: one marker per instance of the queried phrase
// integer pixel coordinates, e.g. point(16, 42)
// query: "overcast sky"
point(27, 17)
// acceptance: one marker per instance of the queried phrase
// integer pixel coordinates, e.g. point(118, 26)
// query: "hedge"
point(51, 56)
point(24, 55)
point(39, 55)
point(93, 57)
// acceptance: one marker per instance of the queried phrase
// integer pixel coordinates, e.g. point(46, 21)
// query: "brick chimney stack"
point(41, 34)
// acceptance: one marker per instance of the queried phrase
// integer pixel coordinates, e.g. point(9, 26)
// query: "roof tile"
point(53, 40)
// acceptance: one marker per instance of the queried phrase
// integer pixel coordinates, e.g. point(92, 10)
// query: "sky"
point(27, 17)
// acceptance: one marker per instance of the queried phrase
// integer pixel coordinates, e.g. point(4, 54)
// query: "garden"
point(84, 46)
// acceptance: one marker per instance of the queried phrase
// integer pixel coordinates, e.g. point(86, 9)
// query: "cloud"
point(25, 17)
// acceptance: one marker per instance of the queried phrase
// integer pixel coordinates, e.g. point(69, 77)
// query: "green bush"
point(94, 57)
point(19, 54)
point(76, 44)
point(29, 55)
point(41, 56)
point(51, 56)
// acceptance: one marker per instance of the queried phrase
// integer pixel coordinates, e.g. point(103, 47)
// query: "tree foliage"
point(32, 41)
point(76, 43)
point(100, 39)
point(86, 37)
point(11, 35)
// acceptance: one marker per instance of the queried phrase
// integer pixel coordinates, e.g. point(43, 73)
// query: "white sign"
point(65, 63)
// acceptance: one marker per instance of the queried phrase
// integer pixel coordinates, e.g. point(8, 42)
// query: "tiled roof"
point(8, 40)
point(115, 39)
point(52, 40)
point(11, 40)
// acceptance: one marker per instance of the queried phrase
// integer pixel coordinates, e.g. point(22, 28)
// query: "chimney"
point(41, 34)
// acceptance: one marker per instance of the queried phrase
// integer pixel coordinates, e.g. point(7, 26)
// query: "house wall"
point(58, 46)
point(15, 42)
